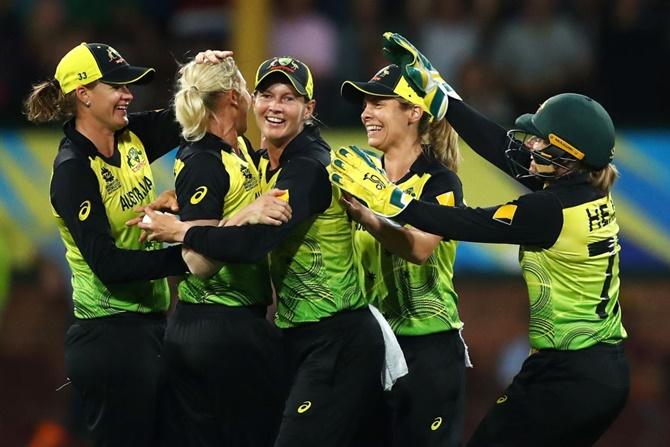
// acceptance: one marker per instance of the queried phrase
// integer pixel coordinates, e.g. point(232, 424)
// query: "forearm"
point(114, 265)
point(244, 244)
point(407, 243)
point(484, 136)
point(199, 265)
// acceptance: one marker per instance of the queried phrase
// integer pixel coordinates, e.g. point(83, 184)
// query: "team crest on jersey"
point(111, 183)
point(134, 159)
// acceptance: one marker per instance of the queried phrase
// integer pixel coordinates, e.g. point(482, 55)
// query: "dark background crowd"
point(502, 56)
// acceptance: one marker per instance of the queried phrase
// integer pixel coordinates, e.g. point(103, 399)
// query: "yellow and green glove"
point(354, 171)
point(419, 73)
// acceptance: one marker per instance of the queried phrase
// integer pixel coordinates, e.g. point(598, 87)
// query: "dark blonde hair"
point(441, 140)
point(604, 178)
point(438, 138)
point(198, 87)
point(47, 103)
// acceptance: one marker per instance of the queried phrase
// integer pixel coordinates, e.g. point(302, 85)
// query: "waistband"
point(341, 319)
point(124, 318)
point(184, 308)
point(598, 347)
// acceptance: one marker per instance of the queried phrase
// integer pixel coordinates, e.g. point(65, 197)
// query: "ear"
point(415, 114)
point(82, 94)
point(309, 109)
point(233, 97)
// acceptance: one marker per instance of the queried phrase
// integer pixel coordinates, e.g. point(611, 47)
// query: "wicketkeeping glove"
point(355, 172)
point(419, 73)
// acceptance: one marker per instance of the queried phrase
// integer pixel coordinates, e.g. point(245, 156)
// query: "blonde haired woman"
point(408, 274)
point(223, 357)
point(333, 342)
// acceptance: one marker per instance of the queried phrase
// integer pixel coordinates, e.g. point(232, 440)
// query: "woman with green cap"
point(576, 380)
point(100, 174)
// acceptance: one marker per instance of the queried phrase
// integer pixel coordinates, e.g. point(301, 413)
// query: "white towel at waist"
point(395, 365)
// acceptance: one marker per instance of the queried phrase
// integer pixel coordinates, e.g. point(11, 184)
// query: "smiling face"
point(386, 121)
point(109, 104)
point(281, 112)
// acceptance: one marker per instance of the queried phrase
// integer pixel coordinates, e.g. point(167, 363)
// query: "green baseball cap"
point(295, 71)
point(576, 124)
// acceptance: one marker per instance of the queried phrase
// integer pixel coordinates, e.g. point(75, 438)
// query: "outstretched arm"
point(309, 194)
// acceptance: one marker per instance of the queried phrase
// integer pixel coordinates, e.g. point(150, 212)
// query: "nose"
point(274, 105)
point(126, 92)
point(365, 114)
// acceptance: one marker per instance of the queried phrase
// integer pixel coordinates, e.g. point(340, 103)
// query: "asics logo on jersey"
point(84, 210)
point(502, 399)
point(437, 423)
point(198, 195)
point(375, 179)
point(306, 405)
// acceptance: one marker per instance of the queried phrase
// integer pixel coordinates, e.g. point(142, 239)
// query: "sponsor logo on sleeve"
point(198, 195)
point(84, 210)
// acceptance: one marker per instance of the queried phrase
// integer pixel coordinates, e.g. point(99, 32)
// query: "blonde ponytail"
point(47, 103)
point(441, 140)
point(198, 87)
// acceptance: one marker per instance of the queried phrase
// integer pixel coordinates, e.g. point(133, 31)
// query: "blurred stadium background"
point(503, 56)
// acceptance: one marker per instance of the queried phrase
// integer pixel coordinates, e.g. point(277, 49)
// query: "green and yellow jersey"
point(92, 197)
point(312, 262)
point(568, 236)
point(414, 299)
point(213, 182)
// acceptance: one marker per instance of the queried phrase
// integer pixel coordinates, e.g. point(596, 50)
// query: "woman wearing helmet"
point(576, 380)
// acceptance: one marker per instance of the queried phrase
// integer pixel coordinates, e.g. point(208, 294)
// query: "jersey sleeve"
point(201, 186)
point(158, 130)
point(534, 219)
point(309, 194)
point(443, 188)
point(76, 198)
point(488, 139)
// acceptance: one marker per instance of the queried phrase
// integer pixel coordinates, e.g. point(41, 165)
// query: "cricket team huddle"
point(355, 247)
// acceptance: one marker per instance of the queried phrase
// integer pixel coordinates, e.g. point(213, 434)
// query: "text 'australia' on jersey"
point(121, 188)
